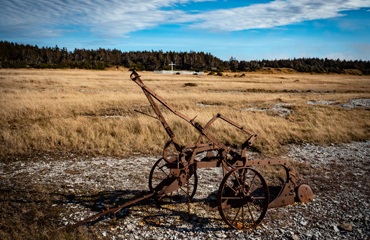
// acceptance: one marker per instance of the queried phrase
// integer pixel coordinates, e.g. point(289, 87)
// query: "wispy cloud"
point(114, 17)
point(120, 17)
point(273, 14)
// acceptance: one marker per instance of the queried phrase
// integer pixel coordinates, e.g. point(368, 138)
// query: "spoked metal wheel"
point(162, 171)
point(243, 198)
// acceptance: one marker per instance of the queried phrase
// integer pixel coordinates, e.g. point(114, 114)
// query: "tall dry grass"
point(92, 112)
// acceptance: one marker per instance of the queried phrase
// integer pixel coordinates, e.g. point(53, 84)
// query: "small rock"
point(303, 223)
point(345, 227)
point(220, 235)
point(130, 227)
point(294, 237)
point(308, 234)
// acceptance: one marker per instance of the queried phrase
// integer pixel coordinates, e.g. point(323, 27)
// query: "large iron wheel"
point(161, 170)
point(243, 198)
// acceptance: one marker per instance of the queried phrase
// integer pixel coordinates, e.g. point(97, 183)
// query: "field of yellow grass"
point(93, 112)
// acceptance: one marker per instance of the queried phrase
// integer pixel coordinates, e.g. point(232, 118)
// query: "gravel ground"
point(284, 110)
point(352, 103)
point(82, 186)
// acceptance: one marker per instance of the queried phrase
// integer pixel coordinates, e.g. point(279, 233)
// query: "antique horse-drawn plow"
point(243, 196)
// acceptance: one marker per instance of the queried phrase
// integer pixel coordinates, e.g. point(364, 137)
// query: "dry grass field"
point(93, 112)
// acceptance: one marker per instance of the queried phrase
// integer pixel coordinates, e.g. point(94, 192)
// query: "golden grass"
point(92, 112)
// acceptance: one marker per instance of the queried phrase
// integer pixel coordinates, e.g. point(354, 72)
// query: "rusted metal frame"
point(220, 160)
point(194, 149)
point(210, 146)
point(160, 116)
point(112, 210)
point(146, 114)
point(157, 111)
point(211, 164)
point(136, 78)
point(184, 164)
point(286, 195)
point(171, 184)
point(247, 143)
point(210, 122)
point(191, 151)
point(234, 124)
point(206, 147)
point(212, 139)
point(149, 93)
point(167, 156)
point(217, 161)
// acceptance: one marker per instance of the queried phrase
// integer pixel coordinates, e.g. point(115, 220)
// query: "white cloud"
point(120, 17)
point(273, 14)
point(113, 16)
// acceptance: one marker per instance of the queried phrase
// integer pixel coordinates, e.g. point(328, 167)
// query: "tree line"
point(13, 55)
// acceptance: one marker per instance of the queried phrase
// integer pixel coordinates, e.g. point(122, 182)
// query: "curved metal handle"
point(134, 75)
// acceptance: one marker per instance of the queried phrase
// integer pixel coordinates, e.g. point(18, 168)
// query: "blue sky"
point(244, 29)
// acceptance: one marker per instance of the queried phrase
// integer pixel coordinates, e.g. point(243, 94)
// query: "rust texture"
point(243, 196)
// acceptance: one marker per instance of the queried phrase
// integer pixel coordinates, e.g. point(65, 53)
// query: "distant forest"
point(13, 55)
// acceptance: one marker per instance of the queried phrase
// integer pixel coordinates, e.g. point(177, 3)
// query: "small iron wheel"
point(243, 198)
point(162, 170)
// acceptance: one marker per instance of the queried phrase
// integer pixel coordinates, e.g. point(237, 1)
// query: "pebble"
point(220, 235)
point(303, 223)
point(295, 237)
point(345, 227)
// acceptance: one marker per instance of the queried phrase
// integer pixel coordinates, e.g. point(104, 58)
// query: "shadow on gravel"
point(186, 222)
point(96, 202)
point(175, 215)
point(107, 204)
point(172, 215)
point(106, 199)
